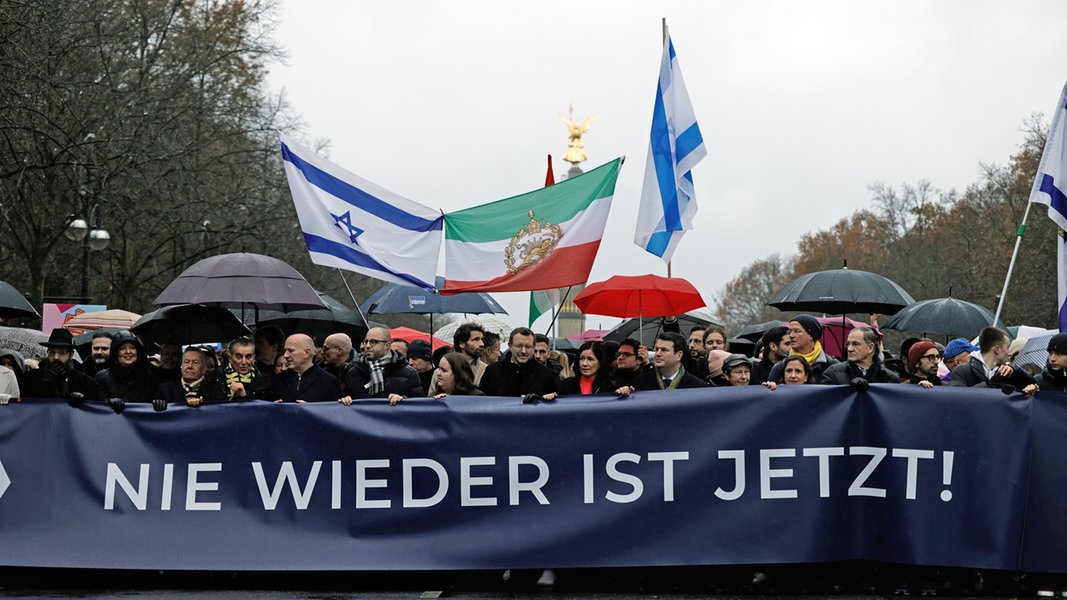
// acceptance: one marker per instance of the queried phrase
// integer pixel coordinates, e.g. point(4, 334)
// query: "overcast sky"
point(802, 104)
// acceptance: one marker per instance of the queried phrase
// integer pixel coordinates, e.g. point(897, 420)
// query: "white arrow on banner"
point(4, 480)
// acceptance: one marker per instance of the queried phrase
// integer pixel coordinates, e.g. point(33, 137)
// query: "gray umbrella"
point(239, 280)
point(944, 316)
point(26, 341)
point(406, 299)
point(753, 333)
point(14, 304)
point(841, 291)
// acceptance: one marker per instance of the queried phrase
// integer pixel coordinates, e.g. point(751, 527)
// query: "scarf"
point(812, 356)
point(232, 376)
point(674, 382)
point(376, 385)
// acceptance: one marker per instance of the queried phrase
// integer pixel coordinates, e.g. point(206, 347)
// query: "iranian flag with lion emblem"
point(543, 239)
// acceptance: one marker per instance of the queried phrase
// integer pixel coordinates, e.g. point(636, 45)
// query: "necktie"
point(666, 382)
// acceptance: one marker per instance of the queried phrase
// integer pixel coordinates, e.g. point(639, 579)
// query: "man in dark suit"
point(192, 387)
point(303, 381)
point(669, 373)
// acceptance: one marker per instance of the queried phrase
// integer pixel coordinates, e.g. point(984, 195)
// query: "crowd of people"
point(119, 369)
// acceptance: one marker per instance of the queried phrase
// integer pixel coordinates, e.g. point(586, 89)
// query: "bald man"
point(304, 381)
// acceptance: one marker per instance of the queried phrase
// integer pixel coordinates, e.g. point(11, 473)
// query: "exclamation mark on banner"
point(946, 475)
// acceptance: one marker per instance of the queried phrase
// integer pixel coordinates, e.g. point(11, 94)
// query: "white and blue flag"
point(353, 224)
point(675, 147)
point(1049, 189)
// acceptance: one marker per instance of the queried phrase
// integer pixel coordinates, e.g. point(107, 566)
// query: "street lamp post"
point(86, 222)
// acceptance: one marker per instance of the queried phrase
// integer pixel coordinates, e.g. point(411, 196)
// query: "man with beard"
point(380, 372)
point(776, 346)
point(924, 359)
point(99, 353)
point(193, 388)
point(470, 340)
point(130, 378)
point(56, 377)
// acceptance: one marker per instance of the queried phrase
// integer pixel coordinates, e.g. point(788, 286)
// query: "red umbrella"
point(410, 335)
point(639, 296)
point(834, 332)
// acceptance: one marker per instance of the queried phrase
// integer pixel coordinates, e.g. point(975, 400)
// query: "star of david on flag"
point(353, 224)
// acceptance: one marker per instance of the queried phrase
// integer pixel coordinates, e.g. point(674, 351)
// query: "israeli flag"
point(676, 146)
point(1049, 187)
point(353, 224)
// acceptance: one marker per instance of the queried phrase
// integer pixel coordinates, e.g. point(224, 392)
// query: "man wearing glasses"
point(631, 361)
point(381, 372)
point(924, 358)
point(520, 374)
point(864, 361)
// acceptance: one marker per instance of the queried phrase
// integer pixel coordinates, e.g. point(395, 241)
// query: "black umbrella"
point(650, 328)
point(14, 304)
point(944, 316)
point(841, 291)
point(336, 318)
point(753, 333)
point(189, 324)
point(239, 280)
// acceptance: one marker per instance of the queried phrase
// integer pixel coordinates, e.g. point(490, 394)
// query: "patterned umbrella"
point(105, 319)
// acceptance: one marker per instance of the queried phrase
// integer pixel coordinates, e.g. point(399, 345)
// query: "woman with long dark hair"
point(592, 374)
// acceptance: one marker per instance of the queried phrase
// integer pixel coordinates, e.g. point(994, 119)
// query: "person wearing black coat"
point(864, 361)
point(303, 381)
point(56, 377)
point(1054, 377)
point(592, 377)
point(669, 374)
point(194, 387)
point(520, 374)
point(381, 372)
point(992, 368)
point(130, 378)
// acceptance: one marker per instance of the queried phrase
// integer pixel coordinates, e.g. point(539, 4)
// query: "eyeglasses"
point(933, 356)
point(371, 342)
point(626, 354)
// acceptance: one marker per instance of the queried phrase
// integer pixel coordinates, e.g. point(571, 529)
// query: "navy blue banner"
point(954, 477)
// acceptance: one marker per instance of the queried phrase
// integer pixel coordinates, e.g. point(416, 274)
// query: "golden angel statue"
point(575, 150)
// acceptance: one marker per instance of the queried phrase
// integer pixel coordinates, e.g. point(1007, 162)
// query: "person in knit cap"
point(716, 360)
point(804, 334)
point(1054, 377)
point(420, 358)
point(924, 359)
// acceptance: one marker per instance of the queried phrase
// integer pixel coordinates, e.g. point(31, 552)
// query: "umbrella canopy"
point(841, 291)
point(834, 333)
point(336, 318)
point(589, 335)
point(639, 296)
point(753, 333)
point(26, 341)
point(396, 299)
point(14, 304)
point(448, 332)
point(1035, 351)
point(105, 319)
point(243, 278)
point(410, 335)
point(648, 329)
point(189, 324)
point(944, 316)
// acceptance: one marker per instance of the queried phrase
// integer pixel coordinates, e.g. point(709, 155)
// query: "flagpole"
point(558, 308)
point(663, 40)
point(351, 295)
point(1011, 265)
